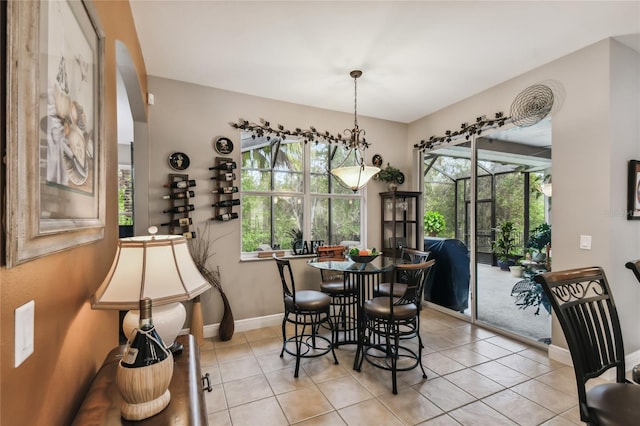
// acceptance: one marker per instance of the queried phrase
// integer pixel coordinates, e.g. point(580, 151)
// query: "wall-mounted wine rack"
point(180, 196)
point(224, 175)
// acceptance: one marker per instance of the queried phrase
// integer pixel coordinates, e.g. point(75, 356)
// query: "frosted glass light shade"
point(354, 177)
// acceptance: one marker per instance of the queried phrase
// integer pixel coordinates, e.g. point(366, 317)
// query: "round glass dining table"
point(365, 278)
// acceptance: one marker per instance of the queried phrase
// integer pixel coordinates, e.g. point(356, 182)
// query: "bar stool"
point(306, 310)
point(343, 295)
point(389, 321)
point(409, 256)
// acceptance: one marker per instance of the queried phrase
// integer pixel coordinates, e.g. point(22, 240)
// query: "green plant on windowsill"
point(434, 223)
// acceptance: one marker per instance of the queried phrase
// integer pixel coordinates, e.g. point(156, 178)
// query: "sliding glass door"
point(494, 205)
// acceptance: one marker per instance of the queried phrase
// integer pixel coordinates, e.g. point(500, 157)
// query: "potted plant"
point(434, 223)
point(517, 269)
point(504, 247)
point(391, 175)
point(539, 243)
point(296, 238)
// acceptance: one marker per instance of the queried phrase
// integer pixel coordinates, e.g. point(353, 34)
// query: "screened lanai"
point(513, 167)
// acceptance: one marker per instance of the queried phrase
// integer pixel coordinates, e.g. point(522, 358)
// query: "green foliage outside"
point(434, 222)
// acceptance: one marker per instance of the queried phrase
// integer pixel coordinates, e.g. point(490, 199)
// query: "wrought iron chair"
point(343, 295)
point(408, 256)
point(583, 303)
point(306, 310)
point(389, 321)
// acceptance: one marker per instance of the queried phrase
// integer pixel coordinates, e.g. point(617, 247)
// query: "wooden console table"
point(101, 406)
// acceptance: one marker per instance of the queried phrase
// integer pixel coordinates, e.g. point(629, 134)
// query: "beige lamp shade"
point(159, 267)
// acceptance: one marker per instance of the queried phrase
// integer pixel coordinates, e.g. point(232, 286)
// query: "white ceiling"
point(417, 56)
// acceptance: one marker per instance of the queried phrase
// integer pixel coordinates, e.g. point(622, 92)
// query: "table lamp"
point(159, 267)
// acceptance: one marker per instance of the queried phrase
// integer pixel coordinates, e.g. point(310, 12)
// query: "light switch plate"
point(585, 242)
point(24, 328)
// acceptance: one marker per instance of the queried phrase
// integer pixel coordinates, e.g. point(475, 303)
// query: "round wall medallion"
point(400, 178)
point(179, 161)
point(224, 146)
point(377, 160)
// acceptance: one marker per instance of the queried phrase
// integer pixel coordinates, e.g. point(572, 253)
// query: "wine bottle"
point(179, 209)
point(226, 216)
point(226, 190)
point(226, 203)
point(225, 176)
point(182, 184)
point(179, 195)
point(189, 235)
point(145, 347)
point(227, 165)
point(183, 221)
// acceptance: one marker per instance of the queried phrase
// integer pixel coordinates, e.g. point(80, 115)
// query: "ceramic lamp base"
point(144, 390)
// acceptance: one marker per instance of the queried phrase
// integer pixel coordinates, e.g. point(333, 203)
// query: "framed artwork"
point(55, 143)
point(224, 146)
point(633, 197)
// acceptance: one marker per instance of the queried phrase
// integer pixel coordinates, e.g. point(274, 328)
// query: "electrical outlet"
point(24, 328)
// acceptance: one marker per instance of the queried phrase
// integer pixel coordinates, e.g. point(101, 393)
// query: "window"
point(287, 190)
point(125, 195)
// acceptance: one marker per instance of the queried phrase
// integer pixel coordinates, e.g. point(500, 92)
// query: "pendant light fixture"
point(357, 176)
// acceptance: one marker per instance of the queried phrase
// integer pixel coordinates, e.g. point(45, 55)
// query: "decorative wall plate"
point(400, 178)
point(224, 146)
point(377, 160)
point(179, 161)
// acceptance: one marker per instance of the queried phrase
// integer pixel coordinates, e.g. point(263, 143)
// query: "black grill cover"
point(448, 283)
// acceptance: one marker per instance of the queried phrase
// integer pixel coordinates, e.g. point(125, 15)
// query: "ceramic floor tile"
point(501, 373)
point(524, 365)
point(236, 339)
point(411, 406)
point(215, 400)
point(324, 368)
point(518, 408)
point(264, 412)
point(488, 349)
point(344, 391)
point(444, 394)
point(228, 353)
point(507, 343)
point(266, 345)
point(219, 418)
point(468, 369)
point(474, 383)
point(247, 390)
point(562, 379)
point(546, 396)
point(465, 356)
point(239, 369)
point(303, 404)
point(369, 413)
point(480, 414)
point(261, 333)
point(329, 419)
point(282, 381)
point(444, 420)
point(441, 364)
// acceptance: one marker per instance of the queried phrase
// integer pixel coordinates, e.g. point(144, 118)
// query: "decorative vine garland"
point(466, 130)
point(307, 135)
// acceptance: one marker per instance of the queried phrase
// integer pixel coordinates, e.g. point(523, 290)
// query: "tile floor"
point(475, 378)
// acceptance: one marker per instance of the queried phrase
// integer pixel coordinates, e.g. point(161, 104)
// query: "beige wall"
point(595, 131)
point(71, 339)
point(188, 118)
point(590, 84)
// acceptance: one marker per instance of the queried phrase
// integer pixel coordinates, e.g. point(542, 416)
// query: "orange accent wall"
point(71, 339)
